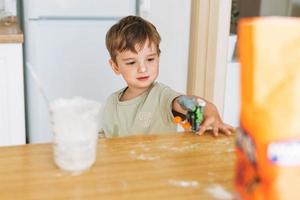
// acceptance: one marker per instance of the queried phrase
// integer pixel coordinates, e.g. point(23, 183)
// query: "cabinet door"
point(12, 120)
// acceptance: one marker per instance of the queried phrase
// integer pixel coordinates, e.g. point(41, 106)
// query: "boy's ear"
point(114, 66)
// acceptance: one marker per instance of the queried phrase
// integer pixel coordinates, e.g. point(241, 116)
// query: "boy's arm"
point(212, 118)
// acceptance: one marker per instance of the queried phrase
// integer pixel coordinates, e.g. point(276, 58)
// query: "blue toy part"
point(187, 103)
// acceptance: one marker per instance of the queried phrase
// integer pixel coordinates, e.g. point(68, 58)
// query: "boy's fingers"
point(227, 128)
point(207, 123)
point(232, 129)
point(216, 131)
point(202, 130)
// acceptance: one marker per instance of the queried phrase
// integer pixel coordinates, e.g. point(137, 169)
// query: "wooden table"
point(169, 166)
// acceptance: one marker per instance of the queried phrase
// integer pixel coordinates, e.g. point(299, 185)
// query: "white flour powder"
point(75, 124)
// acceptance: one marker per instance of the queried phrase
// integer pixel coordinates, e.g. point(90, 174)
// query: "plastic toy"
point(194, 116)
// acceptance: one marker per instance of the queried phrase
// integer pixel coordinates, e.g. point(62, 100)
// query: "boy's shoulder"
point(113, 98)
point(158, 85)
point(116, 94)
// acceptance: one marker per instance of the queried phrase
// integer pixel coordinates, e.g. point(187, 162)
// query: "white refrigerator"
point(65, 47)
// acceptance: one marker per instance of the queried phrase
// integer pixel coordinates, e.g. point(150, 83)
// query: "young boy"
point(144, 106)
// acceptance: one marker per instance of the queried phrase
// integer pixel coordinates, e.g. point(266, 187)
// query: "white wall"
point(231, 113)
point(172, 19)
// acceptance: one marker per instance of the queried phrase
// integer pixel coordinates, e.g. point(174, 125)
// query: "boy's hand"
point(212, 121)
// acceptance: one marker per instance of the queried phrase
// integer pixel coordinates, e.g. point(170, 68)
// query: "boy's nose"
point(142, 68)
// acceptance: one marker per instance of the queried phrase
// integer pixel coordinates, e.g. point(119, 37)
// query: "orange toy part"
point(177, 120)
point(186, 125)
point(268, 147)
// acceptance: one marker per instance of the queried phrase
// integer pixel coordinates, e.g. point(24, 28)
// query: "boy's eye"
point(130, 63)
point(150, 59)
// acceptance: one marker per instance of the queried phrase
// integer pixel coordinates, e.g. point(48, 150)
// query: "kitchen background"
point(64, 45)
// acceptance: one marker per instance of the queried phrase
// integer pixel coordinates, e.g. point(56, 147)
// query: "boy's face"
point(138, 69)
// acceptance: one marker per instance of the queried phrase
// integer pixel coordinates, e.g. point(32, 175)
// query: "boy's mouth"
point(143, 78)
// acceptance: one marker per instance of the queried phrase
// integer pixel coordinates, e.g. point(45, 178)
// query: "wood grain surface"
point(169, 166)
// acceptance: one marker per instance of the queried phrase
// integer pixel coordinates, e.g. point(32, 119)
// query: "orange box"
point(268, 144)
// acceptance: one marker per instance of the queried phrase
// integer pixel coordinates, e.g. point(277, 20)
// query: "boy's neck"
point(131, 93)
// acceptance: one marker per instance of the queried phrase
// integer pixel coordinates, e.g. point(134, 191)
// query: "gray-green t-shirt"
point(151, 112)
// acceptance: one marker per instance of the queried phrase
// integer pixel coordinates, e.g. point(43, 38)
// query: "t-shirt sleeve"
point(166, 98)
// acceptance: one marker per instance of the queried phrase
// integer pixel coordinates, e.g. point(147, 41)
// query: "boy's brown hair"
point(129, 32)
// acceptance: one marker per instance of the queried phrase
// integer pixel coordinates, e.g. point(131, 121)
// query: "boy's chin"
point(143, 84)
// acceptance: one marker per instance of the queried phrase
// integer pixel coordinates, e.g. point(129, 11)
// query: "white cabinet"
point(12, 117)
